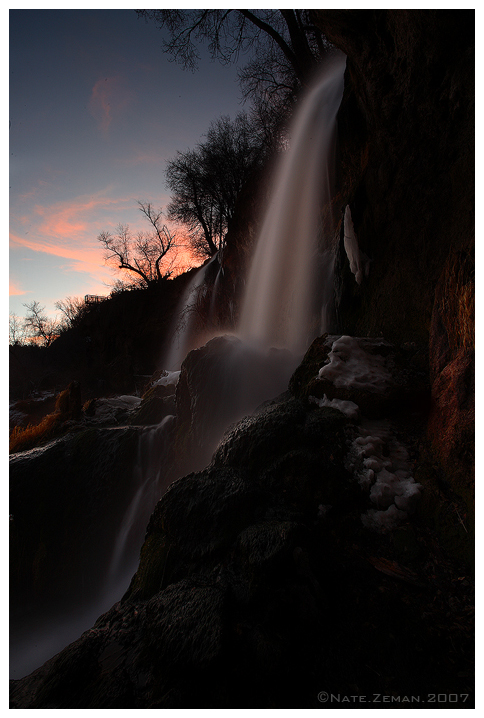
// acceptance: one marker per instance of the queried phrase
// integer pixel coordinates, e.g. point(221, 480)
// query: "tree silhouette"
point(73, 310)
point(299, 43)
point(142, 256)
point(285, 47)
point(206, 182)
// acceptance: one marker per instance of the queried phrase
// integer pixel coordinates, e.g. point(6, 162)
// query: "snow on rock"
point(378, 461)
point(382, 465)
point(359, 262)
point(350, 366)
point(171, 378)
point(348, 408)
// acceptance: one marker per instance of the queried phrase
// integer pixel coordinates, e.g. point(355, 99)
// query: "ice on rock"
point(373, 464)
point(383, 520)
point(359, 262)
point(409, 491)
point(352, 367)
point(384, 489)
point(376, 458)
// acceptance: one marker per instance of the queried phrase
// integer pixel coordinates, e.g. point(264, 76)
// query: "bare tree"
point(285, 46)
point(146, 257)
point(231, 32)
point(206, 182)
point(73, 309)
point(39, 327)
point(16, 330)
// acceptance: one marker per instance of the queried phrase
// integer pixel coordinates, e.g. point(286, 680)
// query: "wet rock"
point(111, 411)
point(253, 572)
point(156, 403)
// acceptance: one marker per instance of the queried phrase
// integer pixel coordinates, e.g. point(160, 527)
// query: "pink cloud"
point(67, 221)
point(82, 259)
point(69, 230)
point(145, 158)
point(14, 290)
point(109, 97)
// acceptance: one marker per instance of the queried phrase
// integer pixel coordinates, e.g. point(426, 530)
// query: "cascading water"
point(290, 260)
point(148, 482)
point(186, 319)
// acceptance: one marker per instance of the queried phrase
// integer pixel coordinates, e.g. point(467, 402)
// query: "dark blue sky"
point(96, 109)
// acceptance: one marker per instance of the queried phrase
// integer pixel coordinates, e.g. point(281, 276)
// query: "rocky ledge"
point(260, 584)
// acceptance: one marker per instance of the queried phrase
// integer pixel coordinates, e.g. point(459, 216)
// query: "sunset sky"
point(96, 110)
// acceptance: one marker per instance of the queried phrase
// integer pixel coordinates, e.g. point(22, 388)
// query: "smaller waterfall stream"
point(44, 631)
point(186, 319)
point(148, 487)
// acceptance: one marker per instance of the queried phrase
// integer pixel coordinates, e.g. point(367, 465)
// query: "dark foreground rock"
point(259, 587)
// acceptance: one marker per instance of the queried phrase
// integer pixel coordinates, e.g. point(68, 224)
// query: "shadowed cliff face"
point(407, 147)
point(406, 128)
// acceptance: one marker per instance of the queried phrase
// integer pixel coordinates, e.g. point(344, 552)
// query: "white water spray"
point(278, 308)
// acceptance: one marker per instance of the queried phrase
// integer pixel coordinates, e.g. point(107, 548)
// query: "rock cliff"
point(406, 128)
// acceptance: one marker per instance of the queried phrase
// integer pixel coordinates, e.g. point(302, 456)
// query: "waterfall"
point(280, 307)
point(186, 319)
point(148, 487)
point(287, 294)
point(290, 283)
